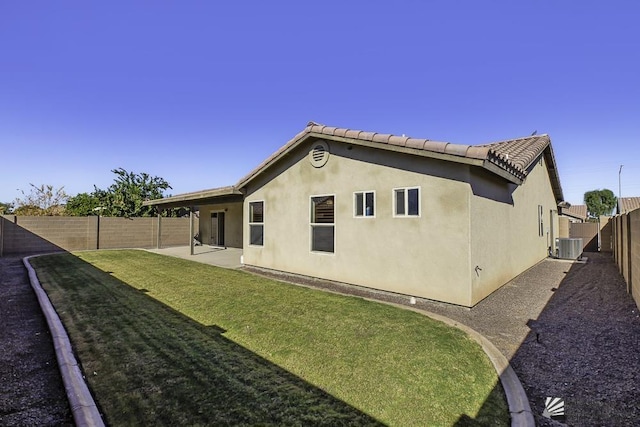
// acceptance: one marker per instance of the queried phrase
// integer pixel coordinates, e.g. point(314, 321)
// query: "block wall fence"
point(32, 234)
point(626, 250)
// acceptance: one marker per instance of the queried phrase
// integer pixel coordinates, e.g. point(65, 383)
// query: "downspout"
point(552, 232)
point(469, 243)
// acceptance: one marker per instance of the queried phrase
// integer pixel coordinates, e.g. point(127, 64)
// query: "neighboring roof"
point(628, 204)
point(576, 211)
point(508, 159)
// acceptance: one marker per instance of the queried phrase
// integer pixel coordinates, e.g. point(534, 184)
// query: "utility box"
point(569, 248)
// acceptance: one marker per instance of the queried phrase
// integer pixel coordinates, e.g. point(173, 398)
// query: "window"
point(540, 222)
point(322, 223)
point(256, 223)
point(406, 201)
point(363, 204)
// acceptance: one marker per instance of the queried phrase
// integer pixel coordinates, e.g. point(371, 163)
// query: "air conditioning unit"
point(569, 248)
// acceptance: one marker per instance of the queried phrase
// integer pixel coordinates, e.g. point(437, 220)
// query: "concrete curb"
point(84, 409)
point(517, 400)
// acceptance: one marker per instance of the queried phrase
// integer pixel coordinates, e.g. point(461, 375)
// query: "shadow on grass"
point(148, 364)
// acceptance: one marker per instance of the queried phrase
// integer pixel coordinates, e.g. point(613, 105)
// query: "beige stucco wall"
point(232, 225)
point(504, 236)
point(427, 256)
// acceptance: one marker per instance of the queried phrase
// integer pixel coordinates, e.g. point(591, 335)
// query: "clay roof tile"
point(400, 141)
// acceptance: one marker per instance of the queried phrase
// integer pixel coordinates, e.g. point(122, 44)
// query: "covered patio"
point(220, 257)
point(220, 219)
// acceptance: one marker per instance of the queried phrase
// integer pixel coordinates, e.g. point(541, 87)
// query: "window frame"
point(406, 202)
point(540, 221)
point(321, 224)
point(364, 204)
point(254, 223)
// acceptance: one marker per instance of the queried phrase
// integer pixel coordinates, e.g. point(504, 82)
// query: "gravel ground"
point(31, 389)
point(569, 330)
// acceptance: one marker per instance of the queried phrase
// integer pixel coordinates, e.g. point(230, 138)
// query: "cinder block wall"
point(116, 233)
point(588, 232)
point(626, 246)
point(634, 284)
point(563, 229)
point(606, 234)
point(175, 231)
point(626, 229)
point(28, 234)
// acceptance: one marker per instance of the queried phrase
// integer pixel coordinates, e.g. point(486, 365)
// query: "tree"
point(600, 202)
point(83, 204)
point(42, 200)
point(125, 196)
point(6, 208)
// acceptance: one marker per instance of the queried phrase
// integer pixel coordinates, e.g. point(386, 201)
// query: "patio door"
point(217, 229)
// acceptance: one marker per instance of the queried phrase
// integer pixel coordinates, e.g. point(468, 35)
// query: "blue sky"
point(200, 92)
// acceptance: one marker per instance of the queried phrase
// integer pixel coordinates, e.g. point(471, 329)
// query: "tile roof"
point(514, 155)
point(518, 153)
point(628, 204)
point(576, 211)
point(510, 159)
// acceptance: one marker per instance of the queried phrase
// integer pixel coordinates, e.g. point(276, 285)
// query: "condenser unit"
point(569, 248)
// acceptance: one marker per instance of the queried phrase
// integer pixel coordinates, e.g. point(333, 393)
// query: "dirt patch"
point(31, 389)
point(585, 347)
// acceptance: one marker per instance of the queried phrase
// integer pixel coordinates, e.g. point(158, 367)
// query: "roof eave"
point(399, 149)
point(195, 198)
point(362, 143)
point(493, 168)
point(550, 161)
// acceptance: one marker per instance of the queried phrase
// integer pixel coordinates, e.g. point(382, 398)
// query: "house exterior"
point(627, 204)
point(429, 219)
point(575, 213)
point(569, 216)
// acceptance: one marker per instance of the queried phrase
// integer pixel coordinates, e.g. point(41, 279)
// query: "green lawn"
point(165, 341)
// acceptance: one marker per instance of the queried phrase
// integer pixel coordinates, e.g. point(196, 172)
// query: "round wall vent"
point(319, 154)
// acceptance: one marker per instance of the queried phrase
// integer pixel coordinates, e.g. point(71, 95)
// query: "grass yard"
point(165, 341)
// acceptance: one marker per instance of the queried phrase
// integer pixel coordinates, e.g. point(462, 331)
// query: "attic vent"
point(319, 154)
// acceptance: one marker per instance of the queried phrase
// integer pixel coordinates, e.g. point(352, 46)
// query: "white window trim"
point(406, 202)
point(264, 208)
point(322, 224)
point(540, 221)
point(364, 204)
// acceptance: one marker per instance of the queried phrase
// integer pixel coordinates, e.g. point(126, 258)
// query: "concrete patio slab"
point(218, 256)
